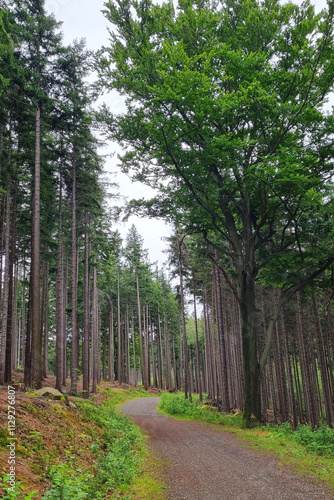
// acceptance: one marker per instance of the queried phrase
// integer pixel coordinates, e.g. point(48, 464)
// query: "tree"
point(226, 104)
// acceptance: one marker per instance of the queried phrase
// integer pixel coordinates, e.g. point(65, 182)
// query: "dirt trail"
point(207, 464)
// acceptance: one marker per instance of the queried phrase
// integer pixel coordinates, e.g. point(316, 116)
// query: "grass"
point(307, 452)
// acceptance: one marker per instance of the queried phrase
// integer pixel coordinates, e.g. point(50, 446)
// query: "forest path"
point(207, 464)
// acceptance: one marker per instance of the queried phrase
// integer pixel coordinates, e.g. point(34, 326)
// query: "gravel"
point(207, 464)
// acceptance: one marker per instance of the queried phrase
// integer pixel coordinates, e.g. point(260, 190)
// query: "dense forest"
point(228, 118)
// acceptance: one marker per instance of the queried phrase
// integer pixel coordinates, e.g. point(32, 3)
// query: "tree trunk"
point(198, 371)
point(34, 378)
point(86, 330)
point(95, 353)
point(75, 336)
point(185, 348)
point(45, 319)
point(119, 343)
point(60, 299)
point(289, 372)
point(111, 360)
point(323, 363)
point(141, 348)
point(6, 291)
point(252, 400)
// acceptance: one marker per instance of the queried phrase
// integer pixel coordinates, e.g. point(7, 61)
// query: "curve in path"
point(207, 464)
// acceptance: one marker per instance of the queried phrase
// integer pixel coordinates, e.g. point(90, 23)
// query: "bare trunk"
point(6, 292)
point(185, 348)
point(198, 372)
point(86, 332)
point(119, 342)
point(95, 353)
point(34, 378)
point(142, 357)
point(323, 363)
point(111, 360)
point(75, 339)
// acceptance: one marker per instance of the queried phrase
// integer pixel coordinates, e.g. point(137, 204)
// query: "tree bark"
point(75, 336)
point(34, 378)
point(86, 330)
point(141, 348)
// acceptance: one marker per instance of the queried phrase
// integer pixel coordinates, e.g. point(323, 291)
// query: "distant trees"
point(225, 117)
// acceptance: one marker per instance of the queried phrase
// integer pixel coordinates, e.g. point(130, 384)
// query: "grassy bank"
point(78, 449)
point(307, 452)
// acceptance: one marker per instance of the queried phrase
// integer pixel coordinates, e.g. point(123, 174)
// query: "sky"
point(84, 19)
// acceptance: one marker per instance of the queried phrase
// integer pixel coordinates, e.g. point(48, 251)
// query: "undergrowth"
point(117, 458)
point(176, 404)
point(114, 442)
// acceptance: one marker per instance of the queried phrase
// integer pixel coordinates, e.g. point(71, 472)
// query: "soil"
point(207, 464)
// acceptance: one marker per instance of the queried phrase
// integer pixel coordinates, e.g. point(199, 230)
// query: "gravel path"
point(207, 464)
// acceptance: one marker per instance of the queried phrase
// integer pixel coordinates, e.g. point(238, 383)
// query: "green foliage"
point(117, 458)
point(177, 405)
point(18, 493)
point(320, 440)
point(65, 486)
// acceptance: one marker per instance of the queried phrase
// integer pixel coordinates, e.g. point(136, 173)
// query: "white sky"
point(84, 19)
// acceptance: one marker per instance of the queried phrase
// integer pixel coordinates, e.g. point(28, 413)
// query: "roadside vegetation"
point(80, 449)
point(305, 450)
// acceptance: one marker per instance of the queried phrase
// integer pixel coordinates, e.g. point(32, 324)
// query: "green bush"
point(320, 440)
point(176, 404)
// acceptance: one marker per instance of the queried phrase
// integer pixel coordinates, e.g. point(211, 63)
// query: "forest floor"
point(202, 462)
point(53, 432)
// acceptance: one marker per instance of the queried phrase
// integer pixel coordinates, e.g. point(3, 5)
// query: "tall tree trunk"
point(75, 336)
point(304, 366)
point(86, 331)
point(6, 291)
point(111, 360)
point(60, 298)
point(95, 353)
point(160, 353)
point(134, 349)
point(185, 348)
point(34, 375)
point(323, 363)
point(292, 402)
point(16, 332)
point(198, 371)
point(119, 342)
point(23, 316)
point(154, 368)
point(45, 319)
point(141, 348)
point(222, 344)
point(169, 384)
point(127, 344)
point(252, 399)
point(65, 296)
